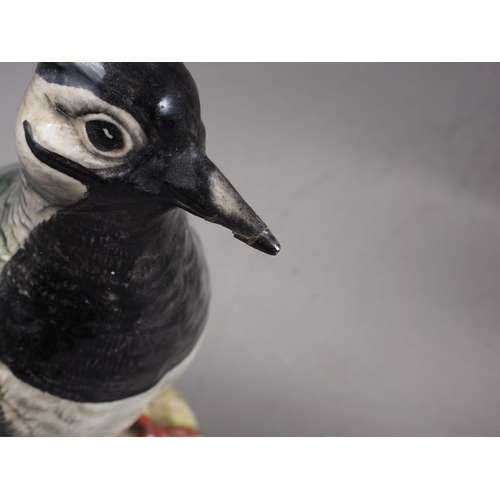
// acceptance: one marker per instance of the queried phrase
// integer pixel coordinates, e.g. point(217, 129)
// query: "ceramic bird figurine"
point(103, 284)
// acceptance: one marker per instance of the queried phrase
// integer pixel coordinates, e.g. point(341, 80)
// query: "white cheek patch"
point(63, 135)
point(54, 186)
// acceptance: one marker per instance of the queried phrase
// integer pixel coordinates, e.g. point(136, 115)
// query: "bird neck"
point(22, 209)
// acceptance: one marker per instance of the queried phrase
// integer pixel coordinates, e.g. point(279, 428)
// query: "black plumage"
point(100, 303)
point(106, 295)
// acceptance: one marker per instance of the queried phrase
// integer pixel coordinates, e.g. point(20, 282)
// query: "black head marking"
point(162, 97)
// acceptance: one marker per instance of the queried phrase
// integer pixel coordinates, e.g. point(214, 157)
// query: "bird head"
point(131, 128)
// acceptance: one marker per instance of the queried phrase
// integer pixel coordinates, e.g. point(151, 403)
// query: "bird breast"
point(100, 306)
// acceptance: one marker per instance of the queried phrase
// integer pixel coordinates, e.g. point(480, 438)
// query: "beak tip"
point(267, 243)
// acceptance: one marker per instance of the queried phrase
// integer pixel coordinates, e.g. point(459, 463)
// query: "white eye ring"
point(80, 123)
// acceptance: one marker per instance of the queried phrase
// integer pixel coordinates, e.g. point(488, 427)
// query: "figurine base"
point(168, 415)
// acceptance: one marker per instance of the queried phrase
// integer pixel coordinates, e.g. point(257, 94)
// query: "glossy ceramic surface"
point(103, 288)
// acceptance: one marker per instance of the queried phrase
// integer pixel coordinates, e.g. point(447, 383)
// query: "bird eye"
point(104, 136)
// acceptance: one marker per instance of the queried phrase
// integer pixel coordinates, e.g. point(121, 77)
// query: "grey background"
point(381, 314)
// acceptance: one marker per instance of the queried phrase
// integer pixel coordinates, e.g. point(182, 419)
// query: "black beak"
point(195, 184)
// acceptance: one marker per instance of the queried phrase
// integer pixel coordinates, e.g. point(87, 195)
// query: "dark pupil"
point(104, 135)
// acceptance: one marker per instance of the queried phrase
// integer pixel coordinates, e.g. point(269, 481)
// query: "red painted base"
point(144, 427)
